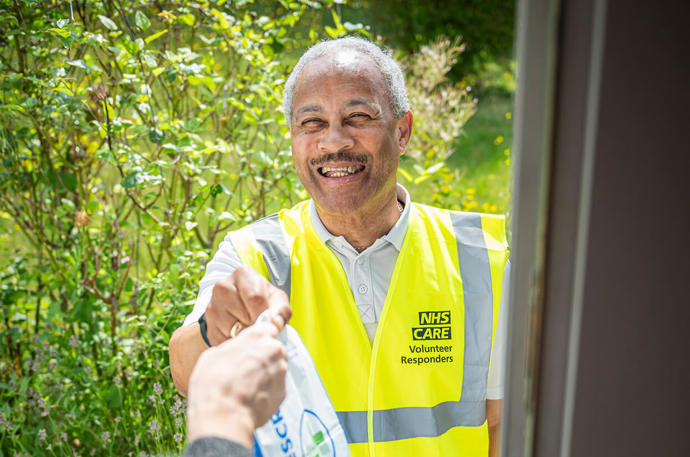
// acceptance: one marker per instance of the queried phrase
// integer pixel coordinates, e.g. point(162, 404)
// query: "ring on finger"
point(236, 328)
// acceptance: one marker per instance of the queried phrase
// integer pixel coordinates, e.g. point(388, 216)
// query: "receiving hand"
point(237, 386)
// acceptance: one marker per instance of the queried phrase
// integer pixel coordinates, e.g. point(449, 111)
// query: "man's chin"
point(338, 206)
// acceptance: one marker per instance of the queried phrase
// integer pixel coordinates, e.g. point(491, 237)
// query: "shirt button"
point(363, 289)
point(360, 261)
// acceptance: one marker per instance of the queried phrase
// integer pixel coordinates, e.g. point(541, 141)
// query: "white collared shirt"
point(368, 274)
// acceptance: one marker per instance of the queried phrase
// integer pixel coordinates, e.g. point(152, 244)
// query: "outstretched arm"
point(237, 386)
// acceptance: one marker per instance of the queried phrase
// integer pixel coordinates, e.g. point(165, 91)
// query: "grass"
point(482, 153)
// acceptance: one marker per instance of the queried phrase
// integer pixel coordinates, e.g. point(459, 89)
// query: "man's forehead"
point(344, 68)
point(343, 62)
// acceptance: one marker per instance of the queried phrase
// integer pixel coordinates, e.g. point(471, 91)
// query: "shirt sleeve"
point(495, 384)
point(216, 447)
point(224, 262)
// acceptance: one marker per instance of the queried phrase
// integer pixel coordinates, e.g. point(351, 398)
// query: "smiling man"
point(398, 303)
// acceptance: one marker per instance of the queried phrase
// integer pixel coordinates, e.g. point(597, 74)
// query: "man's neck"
point(362, 228)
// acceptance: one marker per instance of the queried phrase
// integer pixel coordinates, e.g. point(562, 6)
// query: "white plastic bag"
point(306, 424)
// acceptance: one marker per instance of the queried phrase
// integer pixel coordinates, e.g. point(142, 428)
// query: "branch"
point(124, 277)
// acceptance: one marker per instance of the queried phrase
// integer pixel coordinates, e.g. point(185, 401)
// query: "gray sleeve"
point(224, 262)
point(495, 385)
point(216, 447)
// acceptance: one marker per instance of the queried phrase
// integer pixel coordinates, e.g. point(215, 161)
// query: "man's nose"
point(335, 138)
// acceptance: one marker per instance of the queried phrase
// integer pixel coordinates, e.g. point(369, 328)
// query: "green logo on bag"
point(314, 437)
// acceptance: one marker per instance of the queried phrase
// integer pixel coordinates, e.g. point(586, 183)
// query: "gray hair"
point(395, 82)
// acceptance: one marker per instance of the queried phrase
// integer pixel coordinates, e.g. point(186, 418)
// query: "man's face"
point(346, 142)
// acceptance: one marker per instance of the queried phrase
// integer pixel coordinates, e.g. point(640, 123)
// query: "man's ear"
point(404, 130)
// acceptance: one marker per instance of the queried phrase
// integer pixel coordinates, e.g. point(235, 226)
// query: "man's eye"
point(359, 116)
point(312, 122)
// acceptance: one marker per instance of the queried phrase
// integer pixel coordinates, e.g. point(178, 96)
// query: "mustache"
point(340, 157)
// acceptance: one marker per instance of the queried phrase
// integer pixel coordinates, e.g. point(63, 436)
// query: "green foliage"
point(485, 26)
point(133, 136)
point(482, 158)
point(459, 154)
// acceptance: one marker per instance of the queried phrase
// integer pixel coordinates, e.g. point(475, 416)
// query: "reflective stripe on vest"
point(270, 239)
point(474, 270)
point(272, 242)
point(413, 422)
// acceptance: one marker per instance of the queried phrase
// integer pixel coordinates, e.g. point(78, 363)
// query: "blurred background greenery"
point(135, 134)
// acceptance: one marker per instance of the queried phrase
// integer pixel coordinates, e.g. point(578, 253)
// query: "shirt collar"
point(394, 237)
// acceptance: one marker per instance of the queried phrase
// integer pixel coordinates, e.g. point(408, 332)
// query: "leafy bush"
point(133, 136)
point(430, 169)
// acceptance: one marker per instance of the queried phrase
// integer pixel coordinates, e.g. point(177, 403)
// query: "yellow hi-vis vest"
point(420, 389)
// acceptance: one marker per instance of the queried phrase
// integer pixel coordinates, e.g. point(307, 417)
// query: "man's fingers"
point(264, 329)
point(253, 290)
point(226, 298)
point(225, 308)
point(239, 299)
point(280, 310)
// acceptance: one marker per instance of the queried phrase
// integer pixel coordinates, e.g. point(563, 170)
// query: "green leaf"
point(226, 216)
point(150, 61)
point(216, 189)
point(114, 397)
point(336, 20)
point(107, 22)
point(93, 206)
point(64, 90)
point(422, 178)
point(68, 180)
point(141, 20)
point(80, 64)
point(188, 19)
point(60, 32)
point(333, 33)
point(405, 174)
point(130, 180)
point(53, 310)
point(156, 136)
point(208, 82)
point(434, 168)
point(12, 108)
point(150, 38)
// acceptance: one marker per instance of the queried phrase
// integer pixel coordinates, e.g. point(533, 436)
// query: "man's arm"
point(493, 420)
point(185, 347)
point(242, 296)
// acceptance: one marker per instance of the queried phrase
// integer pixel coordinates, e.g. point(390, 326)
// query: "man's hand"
point(237, 386)
point(242, 296)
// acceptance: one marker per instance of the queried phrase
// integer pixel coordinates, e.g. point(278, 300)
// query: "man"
point(397, 302)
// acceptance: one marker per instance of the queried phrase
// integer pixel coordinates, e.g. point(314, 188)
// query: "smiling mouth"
point(339, 172)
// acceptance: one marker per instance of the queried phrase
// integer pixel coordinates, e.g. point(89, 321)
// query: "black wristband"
point(202, 328)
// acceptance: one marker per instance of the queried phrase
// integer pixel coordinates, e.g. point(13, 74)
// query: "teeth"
point(339, 172)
